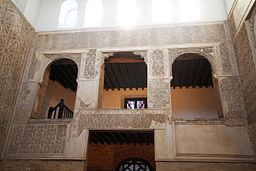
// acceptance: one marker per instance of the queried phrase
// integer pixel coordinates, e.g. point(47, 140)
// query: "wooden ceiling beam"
point(107, 77)
point(61, 77)
point(123, 60)
point(93, 140)
point(65, 76)
point(197, 75)
point(205, 76)
point(112, 73)
point(106, 138)
point(98, 137)
point(131, 81)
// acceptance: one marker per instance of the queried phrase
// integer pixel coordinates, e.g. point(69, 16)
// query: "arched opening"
point(194, 92)
point(121, 150)
point(57, 91)
point(123, 82)
point(134, 164)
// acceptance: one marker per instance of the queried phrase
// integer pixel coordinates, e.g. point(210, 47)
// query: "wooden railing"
point(60, 111)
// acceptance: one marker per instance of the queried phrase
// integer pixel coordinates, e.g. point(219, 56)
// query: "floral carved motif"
point(90, 61)
point(15, 38)
point(158, 63)
point(38, 139)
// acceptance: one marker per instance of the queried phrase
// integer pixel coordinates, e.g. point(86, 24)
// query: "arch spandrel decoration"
point(207, 52)
point(76, 57)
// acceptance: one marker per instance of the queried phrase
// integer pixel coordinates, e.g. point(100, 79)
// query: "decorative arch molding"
point(207, 52)
point(142, 54)
point(75, 57)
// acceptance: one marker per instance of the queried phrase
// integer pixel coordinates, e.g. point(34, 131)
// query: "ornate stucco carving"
point(90, 71)
point(76, 57)
point(206, 52)
point(23, 103)
point(33, 67)
point(232, 100)
point(159, 93)
point(157, 63)
point(38, 138)
point(16, 35)
point(91, 119)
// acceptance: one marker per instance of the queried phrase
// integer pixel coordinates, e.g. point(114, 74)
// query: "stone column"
point(88, 80)
point(158, 79)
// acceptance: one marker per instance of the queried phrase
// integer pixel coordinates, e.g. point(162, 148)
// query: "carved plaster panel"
point(16, 35)
point(159, 93)
point(157, 63)
point(251, 33)
point(232, 100)
point(113, 120)
point(38, 138)
point(146, 37)
point(33, 67)
point(89, 64)
point(76, 57)
point(25, 101)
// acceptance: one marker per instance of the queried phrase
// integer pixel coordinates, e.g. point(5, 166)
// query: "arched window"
point(68, 14)
point(194, 93)
point(161, 11)
point(126, 12)
point(57, 91)
point(134, 164)
point(189, 10)
point(93, 13)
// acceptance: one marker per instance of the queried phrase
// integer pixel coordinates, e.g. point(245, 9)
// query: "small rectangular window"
point(135, 103)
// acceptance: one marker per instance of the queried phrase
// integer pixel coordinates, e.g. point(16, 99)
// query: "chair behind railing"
point(60, 111)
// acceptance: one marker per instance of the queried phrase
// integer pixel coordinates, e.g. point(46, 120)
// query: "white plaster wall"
point(211, 10)
point(21, 4)
point(228, 5)
point(30, 9)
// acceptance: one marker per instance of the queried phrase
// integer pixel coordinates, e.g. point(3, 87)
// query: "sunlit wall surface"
point(126, 12)
point(189, 10)
point(78, 14)
point(162, 11)
point(93, 13)
point(68, 14)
